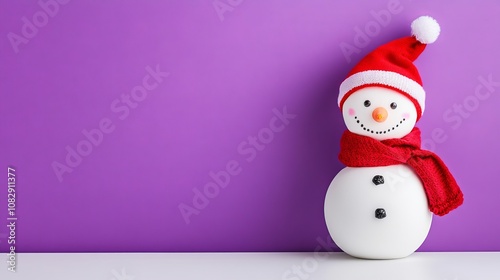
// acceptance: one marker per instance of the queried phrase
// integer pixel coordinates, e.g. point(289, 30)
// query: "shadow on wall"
point(315, 145)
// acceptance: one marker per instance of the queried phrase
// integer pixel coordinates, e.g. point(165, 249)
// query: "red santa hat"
point(391, 65)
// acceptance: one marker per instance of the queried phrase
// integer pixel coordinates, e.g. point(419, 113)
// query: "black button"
point(378, 179)
point(380, 213)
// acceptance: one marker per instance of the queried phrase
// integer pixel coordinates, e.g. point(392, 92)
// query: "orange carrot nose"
point(379, 114)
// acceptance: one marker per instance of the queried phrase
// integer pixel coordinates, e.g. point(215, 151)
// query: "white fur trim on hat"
point(387, 78)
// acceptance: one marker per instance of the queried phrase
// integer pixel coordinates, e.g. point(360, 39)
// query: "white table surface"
point(255, 266)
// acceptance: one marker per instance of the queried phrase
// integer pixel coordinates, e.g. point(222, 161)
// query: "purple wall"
point(173, 94)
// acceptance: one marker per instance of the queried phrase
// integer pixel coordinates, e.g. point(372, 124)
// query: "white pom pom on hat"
point(425, 29)
point(391, 65)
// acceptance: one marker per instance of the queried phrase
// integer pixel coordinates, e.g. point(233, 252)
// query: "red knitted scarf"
point(443, 193)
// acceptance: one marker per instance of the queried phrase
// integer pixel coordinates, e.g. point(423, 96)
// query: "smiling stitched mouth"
point(379, 131)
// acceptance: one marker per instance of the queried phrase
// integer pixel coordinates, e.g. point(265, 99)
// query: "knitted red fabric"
point(396, 56)
point(443, 192)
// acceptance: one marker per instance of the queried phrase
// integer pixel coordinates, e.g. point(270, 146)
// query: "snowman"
point(381, 205)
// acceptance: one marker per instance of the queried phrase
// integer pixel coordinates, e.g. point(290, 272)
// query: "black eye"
point(367, 103)
point(394, 105)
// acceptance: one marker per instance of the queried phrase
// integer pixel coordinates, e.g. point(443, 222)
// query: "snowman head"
point(380, 113)
point(382, 96)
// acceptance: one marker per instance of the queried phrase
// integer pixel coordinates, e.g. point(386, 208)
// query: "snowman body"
point(378, 212)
